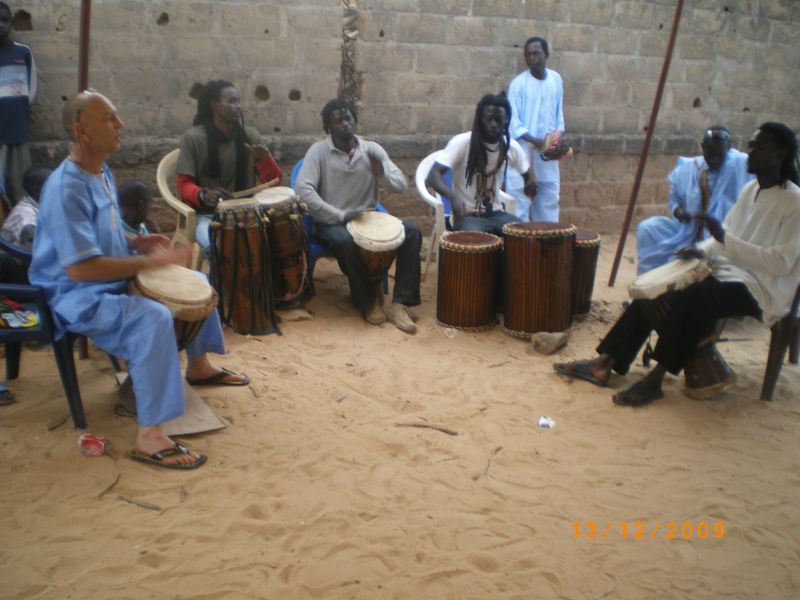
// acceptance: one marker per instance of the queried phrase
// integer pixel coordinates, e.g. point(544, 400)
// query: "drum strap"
point(705, 196)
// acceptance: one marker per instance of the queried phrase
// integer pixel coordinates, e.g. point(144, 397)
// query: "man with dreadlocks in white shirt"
point(479, 160)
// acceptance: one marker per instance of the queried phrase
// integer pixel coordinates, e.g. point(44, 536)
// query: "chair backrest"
point(295, 173)
point(166, 175)
point(420, 177)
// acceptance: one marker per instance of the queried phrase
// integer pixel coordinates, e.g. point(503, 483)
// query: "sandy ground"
point(313, 491)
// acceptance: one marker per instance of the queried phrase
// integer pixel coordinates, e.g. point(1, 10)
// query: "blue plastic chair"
point(32, 298)
point(316, 250)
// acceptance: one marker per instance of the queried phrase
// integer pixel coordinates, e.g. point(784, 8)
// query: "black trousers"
point(340, 243)
point(691, 319)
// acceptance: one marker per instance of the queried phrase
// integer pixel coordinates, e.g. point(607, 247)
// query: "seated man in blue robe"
point(82, 260)
point(699, 184)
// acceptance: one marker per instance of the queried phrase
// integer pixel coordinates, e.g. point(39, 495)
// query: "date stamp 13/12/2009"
point(641, 530)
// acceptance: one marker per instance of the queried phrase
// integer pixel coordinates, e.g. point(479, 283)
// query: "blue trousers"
point(141, 331)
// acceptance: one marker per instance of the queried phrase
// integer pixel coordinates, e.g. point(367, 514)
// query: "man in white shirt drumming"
point(755, 270)
point(479, 160)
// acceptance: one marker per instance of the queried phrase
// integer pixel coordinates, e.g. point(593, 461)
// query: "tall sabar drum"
point(240, 266)
point(706, 373)
point(584, 268)
point(468, 266)
point(186, 294)
point(378, 236)
point(538, 273)
point(287, 234)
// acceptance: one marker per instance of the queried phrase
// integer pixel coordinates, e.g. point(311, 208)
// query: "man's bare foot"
point(596, 370)
point(640, 393)
point(152, 440)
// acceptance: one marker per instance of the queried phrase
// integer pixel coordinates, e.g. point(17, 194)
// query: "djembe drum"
point(240, 266)
point(584, 267)
point(287, 234)
point(706, 373)
point(538, 273)
point(186, 293)
point(378, 236)
point(469, 262)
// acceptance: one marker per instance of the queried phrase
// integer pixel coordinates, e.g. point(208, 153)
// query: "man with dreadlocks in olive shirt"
point(220, 155)
point(479, 160)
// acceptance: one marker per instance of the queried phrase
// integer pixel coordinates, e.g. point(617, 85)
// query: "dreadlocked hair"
point(786, 140)
point(477, 158)
point(336, 104)
point(212, 92)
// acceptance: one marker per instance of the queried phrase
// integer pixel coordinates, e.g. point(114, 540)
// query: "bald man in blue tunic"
point(83, 261)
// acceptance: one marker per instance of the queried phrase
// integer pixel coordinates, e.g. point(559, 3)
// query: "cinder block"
point(377, 26)
point(612, 40)
point(385, 58)
point(697, 47)
point(547, 10)
point(599, 195)
point(633, 14)
point(653, 43)
point(422, 89)
point(468, 31)
point(436, 59)
point(599, 12)
point(500, 8)
point(119, 15)
point(418, 28)
point(382, 118)
point(314, 21)
point(614, 168)
point(707, 21)
point(321, 54)
point(379, 88)
point(185, 17)
point(579, 66)
point(575, 38)
point(448, 7)
point(398, 5)
point(248, 19)
point(600, 144)
point(440, 118)
point(580, 119)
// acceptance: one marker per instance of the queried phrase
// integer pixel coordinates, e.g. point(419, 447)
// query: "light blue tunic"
point(657, 238)
point(537, 108)
point(79, 219)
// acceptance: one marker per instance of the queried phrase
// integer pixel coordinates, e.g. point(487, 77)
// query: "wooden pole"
point(651, 125)
point(83, 56)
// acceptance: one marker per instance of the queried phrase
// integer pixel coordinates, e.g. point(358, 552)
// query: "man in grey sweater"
point(338, 181)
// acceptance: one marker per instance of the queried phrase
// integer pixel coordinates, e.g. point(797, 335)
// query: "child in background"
point(135, 199)
point(20, 225)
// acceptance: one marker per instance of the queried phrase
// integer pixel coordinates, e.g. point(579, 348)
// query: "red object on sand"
point(92, 444)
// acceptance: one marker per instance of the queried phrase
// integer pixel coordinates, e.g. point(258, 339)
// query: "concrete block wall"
point(421, 67)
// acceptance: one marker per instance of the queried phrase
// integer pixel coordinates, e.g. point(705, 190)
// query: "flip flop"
point(157, 459)
point(220, 379)
point(582, 371)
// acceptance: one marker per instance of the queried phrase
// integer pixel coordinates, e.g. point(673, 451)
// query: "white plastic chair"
point(166, 175)
point(435, 202)
point(442, 212)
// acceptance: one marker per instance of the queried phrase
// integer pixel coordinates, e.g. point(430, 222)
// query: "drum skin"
point(287, 233)
point(584, 268)
point(240, 267)
point(189, 312)
point(538, 273)
point(468, 273)
point(377, 237)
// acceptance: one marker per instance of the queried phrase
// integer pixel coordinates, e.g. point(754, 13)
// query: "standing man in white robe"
point(537, 108)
